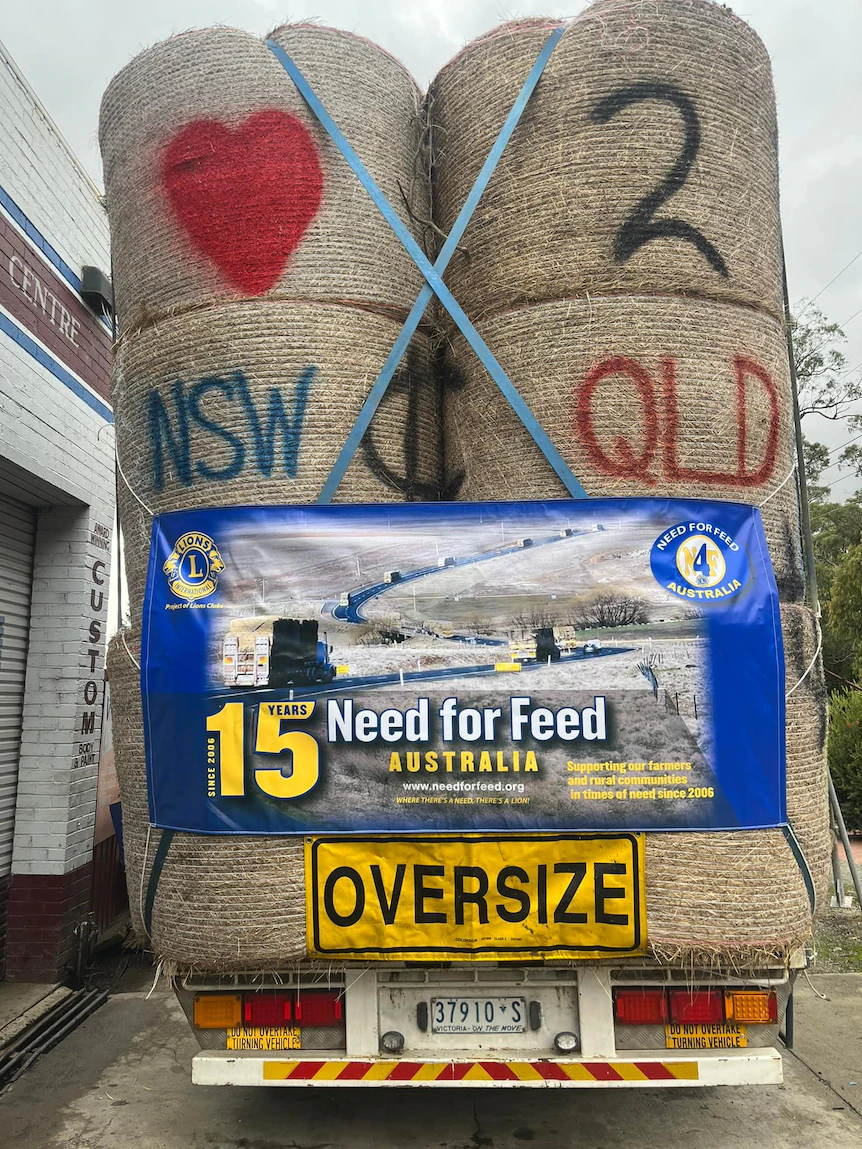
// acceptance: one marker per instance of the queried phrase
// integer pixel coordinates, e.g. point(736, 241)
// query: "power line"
point(837, 463)
point(850, 320)
point(846, 443)
point(841, 478)
point(829, 284)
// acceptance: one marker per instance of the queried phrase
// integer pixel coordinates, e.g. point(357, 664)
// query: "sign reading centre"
point(484, 897)
point(603, 665)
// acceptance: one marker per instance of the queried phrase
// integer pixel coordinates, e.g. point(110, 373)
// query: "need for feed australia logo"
point(193, 566)
point(700, 562)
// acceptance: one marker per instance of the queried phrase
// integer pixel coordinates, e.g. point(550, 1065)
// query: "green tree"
point(842, 631)
point(827, 386)
point(835, 529)
point(828, 389)
point(845, 753)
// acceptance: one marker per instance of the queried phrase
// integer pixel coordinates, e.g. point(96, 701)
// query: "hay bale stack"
point(625, 268)
point(633, 95)
point(220, 183)
point(259, 293)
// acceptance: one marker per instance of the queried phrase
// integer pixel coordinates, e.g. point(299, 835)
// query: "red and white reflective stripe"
point(472, 1071)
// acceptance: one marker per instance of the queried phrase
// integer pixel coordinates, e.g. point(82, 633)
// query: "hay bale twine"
point(223, 903)
point(642, 395)
point(220, 183)
point(645, 113)
point(198, 400)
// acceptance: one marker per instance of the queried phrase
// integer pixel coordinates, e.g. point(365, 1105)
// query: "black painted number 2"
point(641, 226)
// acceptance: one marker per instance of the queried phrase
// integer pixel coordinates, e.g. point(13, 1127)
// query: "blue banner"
point(610, 664)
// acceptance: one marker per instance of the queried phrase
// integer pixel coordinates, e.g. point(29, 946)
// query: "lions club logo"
point(700, 561)
point(193, 567)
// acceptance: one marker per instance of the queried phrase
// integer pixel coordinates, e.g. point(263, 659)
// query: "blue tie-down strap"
point(433, 275)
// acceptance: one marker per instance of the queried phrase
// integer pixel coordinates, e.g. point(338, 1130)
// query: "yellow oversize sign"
point(484, 896)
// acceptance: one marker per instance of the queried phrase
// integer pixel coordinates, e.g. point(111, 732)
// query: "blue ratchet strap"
point(155, 873)
point(796, 849)
point(435, 284)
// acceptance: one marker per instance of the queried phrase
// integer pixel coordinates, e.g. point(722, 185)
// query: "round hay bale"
point(250, 403)
point(223, 903)
point(733, 899)
point(645, 161)
point(642, 396)
point(220, 183)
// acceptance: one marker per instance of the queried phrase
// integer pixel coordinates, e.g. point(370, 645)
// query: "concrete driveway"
point(121, 1081)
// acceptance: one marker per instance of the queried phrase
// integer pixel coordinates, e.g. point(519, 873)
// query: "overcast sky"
point(69, 50)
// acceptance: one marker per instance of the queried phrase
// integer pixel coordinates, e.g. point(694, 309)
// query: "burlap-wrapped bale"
point(645, 160)
point(222, 903)
point(220, 182)
point(249, 403)
point(642, 395)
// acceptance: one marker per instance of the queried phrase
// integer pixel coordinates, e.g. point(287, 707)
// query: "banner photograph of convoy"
point(500, 666)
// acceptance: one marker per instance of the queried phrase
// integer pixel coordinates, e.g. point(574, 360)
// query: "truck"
point(543, 643)
point(391, 576)
point(445, 561)
point(589, 1024)
point(272, 652)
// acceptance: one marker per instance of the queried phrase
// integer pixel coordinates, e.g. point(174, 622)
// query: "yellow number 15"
point(228, 724)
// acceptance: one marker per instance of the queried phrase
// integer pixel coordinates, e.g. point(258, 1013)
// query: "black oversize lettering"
point(421, 892)
point(562, 913)
point(473, 897)
point(607, 893)
point(389, 906)
point(329, 896)
point(511, 892)
point(543, 895)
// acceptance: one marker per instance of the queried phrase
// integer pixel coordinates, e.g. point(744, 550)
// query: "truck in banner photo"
point(611, 665)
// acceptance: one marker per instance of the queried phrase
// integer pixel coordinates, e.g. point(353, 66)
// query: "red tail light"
point(696, 1006)
point(318, 1007)
point(640, 1006)
point(266, 1009)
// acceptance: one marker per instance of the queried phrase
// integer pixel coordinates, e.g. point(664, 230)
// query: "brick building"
point(56, 525)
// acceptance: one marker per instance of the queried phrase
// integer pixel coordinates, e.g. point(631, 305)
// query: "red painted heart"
point(245, 195)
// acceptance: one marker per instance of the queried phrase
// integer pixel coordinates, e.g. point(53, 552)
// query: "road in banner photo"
point(495, 667)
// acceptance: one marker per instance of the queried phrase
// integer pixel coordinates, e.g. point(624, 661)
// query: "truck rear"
point(448, 1024)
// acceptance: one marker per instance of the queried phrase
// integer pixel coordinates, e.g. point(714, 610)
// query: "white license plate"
point(478, 1015)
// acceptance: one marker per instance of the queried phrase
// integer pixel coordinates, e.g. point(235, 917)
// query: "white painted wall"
point(50, 432)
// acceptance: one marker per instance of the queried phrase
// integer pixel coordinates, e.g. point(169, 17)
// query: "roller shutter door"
point(17, 543)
